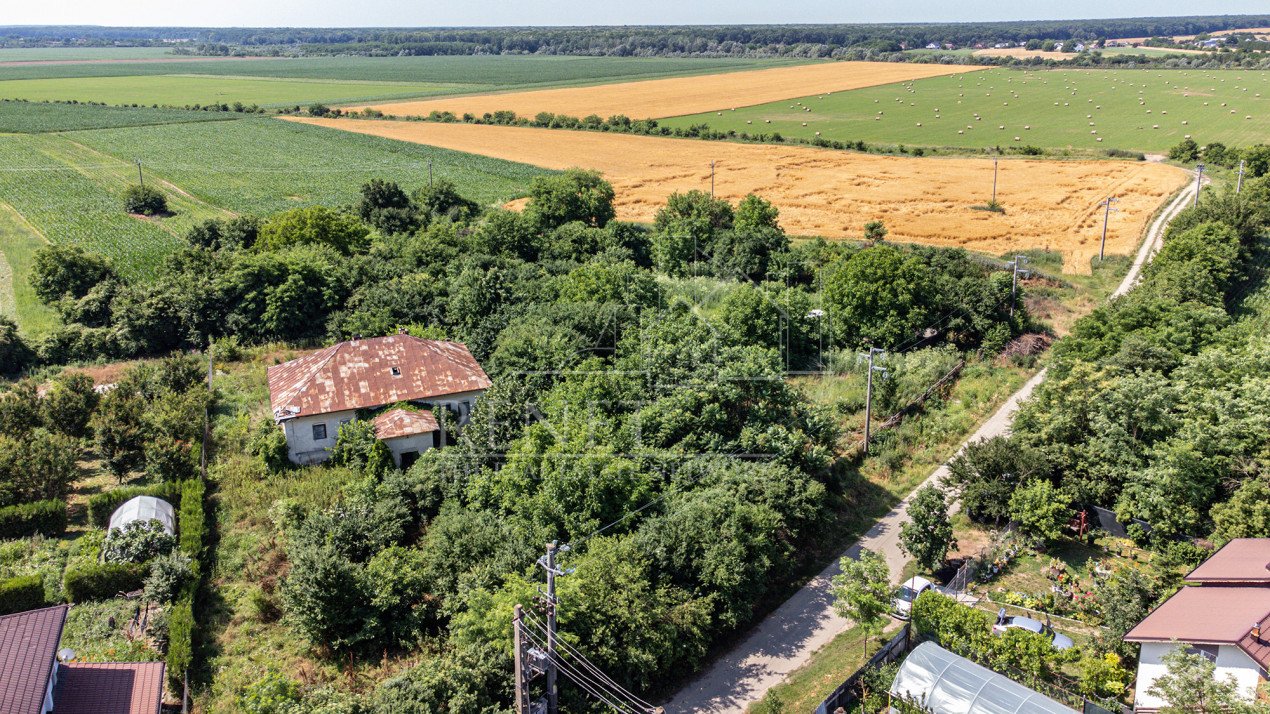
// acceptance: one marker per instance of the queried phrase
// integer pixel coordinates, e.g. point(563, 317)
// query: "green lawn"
point(266, 165)
point(182, 90)
point(807, 687)
point(1047, 108)
point(18, 243)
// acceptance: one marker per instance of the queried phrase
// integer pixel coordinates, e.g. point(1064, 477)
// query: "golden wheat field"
point(1050, 205)
point(682, 95)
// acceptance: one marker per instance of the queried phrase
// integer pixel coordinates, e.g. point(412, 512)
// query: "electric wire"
point(619, 699)
point(588, 664)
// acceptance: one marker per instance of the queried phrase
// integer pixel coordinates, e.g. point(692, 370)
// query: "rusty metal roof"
point(1242, 561)
point(404, 422)
point(362, 374)
point(28, 651)
point(109, 688)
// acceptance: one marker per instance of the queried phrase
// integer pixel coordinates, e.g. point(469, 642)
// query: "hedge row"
point(101, 581)
point(102, 505)
point(27, 519)
point(191, 523)
point(25, 592)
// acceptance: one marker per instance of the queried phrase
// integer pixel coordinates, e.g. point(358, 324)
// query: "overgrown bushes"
point(25, 592)
point(101, 581)
point(45, 517)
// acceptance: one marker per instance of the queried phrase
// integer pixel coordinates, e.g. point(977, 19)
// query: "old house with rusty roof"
point(314, 395)
point(1223, 613)
point(34, 681)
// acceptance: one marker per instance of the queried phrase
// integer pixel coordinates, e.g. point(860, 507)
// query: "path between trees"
point(787, 638)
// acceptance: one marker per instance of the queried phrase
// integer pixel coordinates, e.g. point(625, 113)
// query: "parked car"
point(1007, 622)
point(908, 593)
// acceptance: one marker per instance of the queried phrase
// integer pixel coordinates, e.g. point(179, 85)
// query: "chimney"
point(1256, 632)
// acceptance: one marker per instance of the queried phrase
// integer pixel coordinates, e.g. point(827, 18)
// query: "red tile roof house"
point(315, 394)
point(1223, 614)
point(32, 681)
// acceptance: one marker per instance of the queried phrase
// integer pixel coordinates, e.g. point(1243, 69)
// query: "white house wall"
point(1231, 661)
point(302, 447)
point(406, 444)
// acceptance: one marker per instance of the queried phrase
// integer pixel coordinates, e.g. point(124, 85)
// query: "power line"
point(584, 673)
point(591, 666)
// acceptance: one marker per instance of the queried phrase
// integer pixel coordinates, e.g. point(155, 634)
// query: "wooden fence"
point(848, 692)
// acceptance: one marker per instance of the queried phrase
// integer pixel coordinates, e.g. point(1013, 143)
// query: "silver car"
point(908, 593)
point(1006, 622)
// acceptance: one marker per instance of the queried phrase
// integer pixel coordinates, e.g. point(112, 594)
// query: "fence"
point(848, 692)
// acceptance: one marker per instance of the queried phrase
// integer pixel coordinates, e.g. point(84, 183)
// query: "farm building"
point(314, 395)
point(35, 680)
point(1223, 613)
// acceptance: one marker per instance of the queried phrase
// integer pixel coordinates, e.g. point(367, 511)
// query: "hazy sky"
point(417, 13)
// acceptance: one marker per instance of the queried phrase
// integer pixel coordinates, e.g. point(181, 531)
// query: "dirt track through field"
point(677, 96)
point(1050, 205)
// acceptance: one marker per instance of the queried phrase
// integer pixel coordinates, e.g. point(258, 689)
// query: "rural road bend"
point(786, 639)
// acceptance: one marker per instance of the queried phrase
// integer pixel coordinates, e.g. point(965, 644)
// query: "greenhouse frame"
point(144, 508)
point(948, 684)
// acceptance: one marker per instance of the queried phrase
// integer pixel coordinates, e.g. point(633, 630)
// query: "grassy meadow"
point(42, 117)
point(81, 54)
point(1144, 110)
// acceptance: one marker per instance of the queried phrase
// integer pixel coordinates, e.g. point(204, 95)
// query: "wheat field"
point(676, 96)
point(1051, 205)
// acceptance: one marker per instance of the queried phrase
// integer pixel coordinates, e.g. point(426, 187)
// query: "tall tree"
point(928, 534)
point(1190, 686)
point(862, 592)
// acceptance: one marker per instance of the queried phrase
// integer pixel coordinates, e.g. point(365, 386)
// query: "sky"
point(449, 13)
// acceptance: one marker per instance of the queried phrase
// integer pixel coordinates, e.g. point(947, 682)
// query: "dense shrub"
point(25, 592)
point(146, 200)
point(168, 575)
point(15, 353)
point(138, 542)
point(180, 637)
point(102, 505)
point(44, 517)
point(191, 519)
point(101, 581)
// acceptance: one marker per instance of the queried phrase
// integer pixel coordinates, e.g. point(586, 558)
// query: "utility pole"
point(868, 395)
point(429, 173)
point(1239, 185)
point(522, 681)
point(711, 179)
point(1106, 217)
point(140, 178)
point(1199, 181)
point(994, 180)
point(548, 563)
point(1016, 266)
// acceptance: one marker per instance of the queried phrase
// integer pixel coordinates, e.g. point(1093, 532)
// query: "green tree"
point(862, 592)
point(1190, 686)
point(574, 195)
point(1041, 510)
point(442, 200)
point(19, 408)
point(315, 225)
point(685, 229)
point(357, 447)
point(1186, 151)
point(65, 269)
point(386, 207)
point(145, 200)
point(120, 431)
point(1246, 514)
point(986, 473)
point(881, 295)
point(137, 542)
point(875, 232)
point(1124, 599)
point(168, 574)
point(928, 533)
point(69, 402)
point(15, 354)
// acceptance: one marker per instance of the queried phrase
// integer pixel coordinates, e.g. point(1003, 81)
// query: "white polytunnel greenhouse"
point(947, 684)
point(144, 508)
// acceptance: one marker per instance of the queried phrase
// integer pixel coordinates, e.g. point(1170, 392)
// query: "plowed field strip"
point(684, 95)
point(1048, 204)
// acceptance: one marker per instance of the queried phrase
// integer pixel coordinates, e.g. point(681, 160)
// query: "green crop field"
point(40, 117)
point(266, 165)
point(1145, 110)
point(18, 243)
point(180, 90)
point(497, 71)
point(86, 54)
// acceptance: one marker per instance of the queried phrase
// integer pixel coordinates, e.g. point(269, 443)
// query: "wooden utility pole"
point(1239, 185)
point(994, 181)
point(1102, 247)
point(711, 179)
point(1199, 181)
point(140, 178)
point(553, 699)
point(522, 682)
point(1016, 266)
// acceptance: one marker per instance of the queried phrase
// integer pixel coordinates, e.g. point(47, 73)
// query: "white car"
point(908, 594)
point(1010, 622)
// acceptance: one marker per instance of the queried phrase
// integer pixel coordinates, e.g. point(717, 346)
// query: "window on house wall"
point(319, 432)
point(1208, 652)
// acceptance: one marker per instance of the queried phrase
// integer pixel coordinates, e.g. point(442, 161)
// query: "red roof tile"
point(1258, 648)
point(28, 651)
point(1241, 561)
point(360, 374)
point(404, 422)
point(109, 688)
point(1205, 615)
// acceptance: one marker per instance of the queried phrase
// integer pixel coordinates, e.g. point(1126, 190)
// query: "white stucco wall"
point(403, 444)
point(302, 447)
point(1231, 661)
